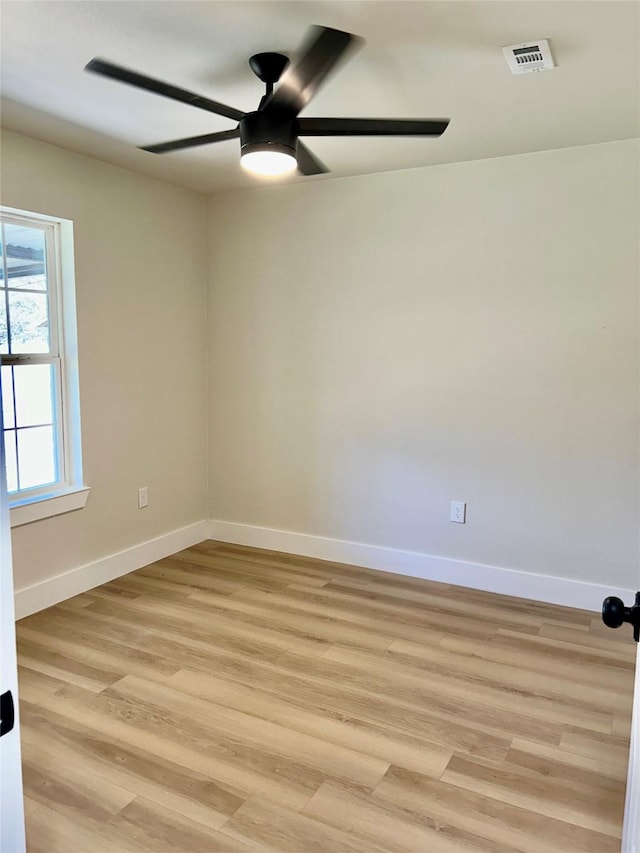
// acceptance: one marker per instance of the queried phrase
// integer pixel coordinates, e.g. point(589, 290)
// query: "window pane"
point(33, 385)
point(36, 457)
point(4, 338)
point(10, 456)
point(25, 252)
point(29, 318)
point(1, 259)
point(7, 398)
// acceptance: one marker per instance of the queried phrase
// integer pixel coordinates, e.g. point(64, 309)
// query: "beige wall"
point(140, 300)
point(381, 345)
point(377, 347)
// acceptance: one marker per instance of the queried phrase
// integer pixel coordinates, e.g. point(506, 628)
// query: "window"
point(40, 407)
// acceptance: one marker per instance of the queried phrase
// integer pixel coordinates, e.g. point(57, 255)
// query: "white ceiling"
point(421, 59)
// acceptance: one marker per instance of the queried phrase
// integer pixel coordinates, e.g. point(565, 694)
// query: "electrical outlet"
point(458, 512)
point(143, 497)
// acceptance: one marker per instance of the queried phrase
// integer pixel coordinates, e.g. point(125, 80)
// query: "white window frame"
point(69, 493)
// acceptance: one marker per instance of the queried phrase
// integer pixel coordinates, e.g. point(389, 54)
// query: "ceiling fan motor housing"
point(264, 131)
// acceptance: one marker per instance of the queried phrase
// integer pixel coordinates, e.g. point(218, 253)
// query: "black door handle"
point(7, 713)
point(614, 614)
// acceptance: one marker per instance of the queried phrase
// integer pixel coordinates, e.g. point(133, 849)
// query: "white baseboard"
point(553, 590)
point(48, 592)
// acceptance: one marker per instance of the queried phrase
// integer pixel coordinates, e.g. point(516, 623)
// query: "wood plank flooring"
point(235, 700)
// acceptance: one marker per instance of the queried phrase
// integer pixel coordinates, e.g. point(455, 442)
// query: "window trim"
point(30, 509)
point(70, 493)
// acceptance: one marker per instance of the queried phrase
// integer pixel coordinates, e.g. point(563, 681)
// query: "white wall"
point(140, 298)
point(381, 345)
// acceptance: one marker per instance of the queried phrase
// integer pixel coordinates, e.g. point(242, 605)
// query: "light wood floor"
point(229, 699)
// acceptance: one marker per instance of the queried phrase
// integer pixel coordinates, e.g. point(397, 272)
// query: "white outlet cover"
point(458, 512)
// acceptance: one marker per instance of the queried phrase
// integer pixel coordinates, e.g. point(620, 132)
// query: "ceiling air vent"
point(529, 56)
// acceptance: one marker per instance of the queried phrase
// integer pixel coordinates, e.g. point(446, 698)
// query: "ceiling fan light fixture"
point(269, 136)
point(268, 144)
point(268, 160)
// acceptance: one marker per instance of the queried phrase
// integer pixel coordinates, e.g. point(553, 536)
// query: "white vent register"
point(529, 56)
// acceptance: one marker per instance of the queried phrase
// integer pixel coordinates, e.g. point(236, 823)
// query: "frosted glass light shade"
point(268, 163)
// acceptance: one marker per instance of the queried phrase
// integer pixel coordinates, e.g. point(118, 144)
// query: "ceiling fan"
point(269, 136)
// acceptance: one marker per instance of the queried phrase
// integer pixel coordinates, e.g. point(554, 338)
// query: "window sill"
point(46, 506)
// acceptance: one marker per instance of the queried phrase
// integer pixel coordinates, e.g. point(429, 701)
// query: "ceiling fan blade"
point(191, 141)
point(372, 126)
point(321, 53)
point(308, 163)
point(141, 81)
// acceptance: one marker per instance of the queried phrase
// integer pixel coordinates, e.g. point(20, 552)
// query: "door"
point(631, 829)
point(12, 838)
point(615, 615)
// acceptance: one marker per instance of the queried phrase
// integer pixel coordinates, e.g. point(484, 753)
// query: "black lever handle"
point(7, 713)
point(614, 614)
